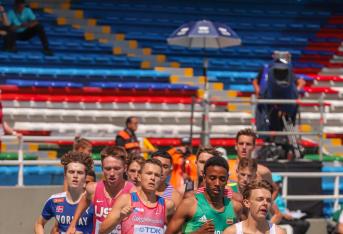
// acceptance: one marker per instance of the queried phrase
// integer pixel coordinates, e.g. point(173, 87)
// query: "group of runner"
point(136, 195)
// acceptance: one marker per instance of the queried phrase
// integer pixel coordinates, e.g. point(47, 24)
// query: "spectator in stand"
point(5, 129)
point(5, 31)
point(26, 26)
point(127, 138)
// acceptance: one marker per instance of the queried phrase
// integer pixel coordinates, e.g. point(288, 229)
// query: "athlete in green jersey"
point(210, 211)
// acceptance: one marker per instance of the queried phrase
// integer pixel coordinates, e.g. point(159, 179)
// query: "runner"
point(166, 190)
point(258, 199)
point(143, 211)
point(203, 154)
point(103, 193)
point(82, 145)
point(245, 145)
point(133, 168)
point(62, 206)
point(210, 211)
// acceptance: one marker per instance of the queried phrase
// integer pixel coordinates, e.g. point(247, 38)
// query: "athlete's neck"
point(216, 202)
point(257, 225)
point(147, 196)
point(74, 194)
point(114, 190)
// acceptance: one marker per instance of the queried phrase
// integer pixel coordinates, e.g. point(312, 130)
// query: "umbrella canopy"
point(204, 34)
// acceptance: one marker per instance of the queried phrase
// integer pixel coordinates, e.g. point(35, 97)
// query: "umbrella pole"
point(205, 136)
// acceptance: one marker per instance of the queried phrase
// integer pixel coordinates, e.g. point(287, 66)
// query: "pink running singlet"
point(144, 219)
point(103, 205)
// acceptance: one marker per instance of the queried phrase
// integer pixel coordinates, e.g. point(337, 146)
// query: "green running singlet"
point(204, 212)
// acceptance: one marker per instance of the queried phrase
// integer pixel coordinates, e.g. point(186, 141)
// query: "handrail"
point(336, 195)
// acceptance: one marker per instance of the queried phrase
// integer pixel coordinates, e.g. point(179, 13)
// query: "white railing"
point(336, 193)
point(21, 163)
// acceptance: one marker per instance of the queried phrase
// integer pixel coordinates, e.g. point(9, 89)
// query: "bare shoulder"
point(230, 230)
point(187, 204)
point(90, 188)
point(280, 230)
point(123, 200)
point(261, 169)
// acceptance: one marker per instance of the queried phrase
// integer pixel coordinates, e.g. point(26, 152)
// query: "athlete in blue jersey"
point(62, 206)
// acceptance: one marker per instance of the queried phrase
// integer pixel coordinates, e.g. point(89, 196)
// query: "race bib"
point(144, 229)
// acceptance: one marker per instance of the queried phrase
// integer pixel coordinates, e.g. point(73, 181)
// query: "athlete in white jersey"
point(257, 197)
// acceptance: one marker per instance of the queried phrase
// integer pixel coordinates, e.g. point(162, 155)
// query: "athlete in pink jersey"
point(104, 193)
point(142, 211)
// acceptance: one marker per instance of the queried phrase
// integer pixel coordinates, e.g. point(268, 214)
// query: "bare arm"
point(4, 18)
point(256, 87)
point(277, 215)
point(280, 230)
point(84, 203)
point(170, 207)
point(176, 198)
point(10, 131)
point(300, 83)
point(39, 225)
point(182, 213)
point(54, 229)
point(121, 209)
point(230, 230)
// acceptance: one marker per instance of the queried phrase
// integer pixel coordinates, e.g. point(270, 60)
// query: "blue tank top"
point(58, 207)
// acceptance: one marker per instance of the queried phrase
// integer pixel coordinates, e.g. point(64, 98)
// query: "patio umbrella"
point(204, 34)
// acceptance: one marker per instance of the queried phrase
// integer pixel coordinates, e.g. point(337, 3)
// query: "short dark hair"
point(115, 152)
point(92, 174)
point(81, 143)
point(162, 154)
point(129, 119)
point(247, 163)
point(138, 159)
point(256, 184)
point(246, 132)
point(208, 149)
point(216, 161)
point(78, 157)
point(152, 161)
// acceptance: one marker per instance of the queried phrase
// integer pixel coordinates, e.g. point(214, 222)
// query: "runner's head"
point(134, 167)
point(76, 166)
point(132, 123)
point(113, 161)
point(204, 154)
point(246, 172)
point(257, 197)
point(90, 176)
point(245, 143)
point(216, 173)
point(82, 145)
point(150, 175)
point(166, 161)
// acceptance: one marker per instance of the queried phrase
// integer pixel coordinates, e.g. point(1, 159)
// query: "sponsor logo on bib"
point(144, 229)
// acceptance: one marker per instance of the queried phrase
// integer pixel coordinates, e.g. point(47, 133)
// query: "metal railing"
point(21, 163)
point(320, 102)
point(336, 192)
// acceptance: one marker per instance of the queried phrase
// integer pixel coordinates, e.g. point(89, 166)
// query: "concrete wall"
point(20, 207)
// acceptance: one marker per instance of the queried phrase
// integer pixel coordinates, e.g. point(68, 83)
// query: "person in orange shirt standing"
point(127, 137)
